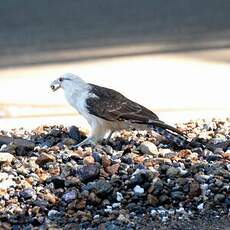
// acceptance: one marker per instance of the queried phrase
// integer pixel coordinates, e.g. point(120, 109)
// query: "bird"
point(108, 111)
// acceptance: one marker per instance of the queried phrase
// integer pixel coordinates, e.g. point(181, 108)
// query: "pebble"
point(88, 173)
point(27, 193)
point(54, 214)
point(44, 158)
point(172, 172)
point(119, 197)
point(6, 157)
point(89, 160)
point(113, 186)
point(75, 134)
point(138, 190)
point(100, 187)
point(147, 147)
point(69, 196)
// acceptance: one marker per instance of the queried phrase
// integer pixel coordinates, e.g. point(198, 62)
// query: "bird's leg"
point(109, 136)
point(89, 140)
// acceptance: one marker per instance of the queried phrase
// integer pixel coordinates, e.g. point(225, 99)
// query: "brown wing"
point(113, 106)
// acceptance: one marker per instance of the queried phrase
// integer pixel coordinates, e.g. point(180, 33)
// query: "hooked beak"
point(55, 85)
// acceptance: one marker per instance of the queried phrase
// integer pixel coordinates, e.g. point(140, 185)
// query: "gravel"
point(137, 181)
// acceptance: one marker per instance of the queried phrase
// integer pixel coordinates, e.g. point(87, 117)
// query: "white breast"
point(78, 101)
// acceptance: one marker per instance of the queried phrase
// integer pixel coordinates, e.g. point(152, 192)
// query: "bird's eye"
point(61, 79)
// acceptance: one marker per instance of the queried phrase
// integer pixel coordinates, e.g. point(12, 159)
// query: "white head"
point(68, 82)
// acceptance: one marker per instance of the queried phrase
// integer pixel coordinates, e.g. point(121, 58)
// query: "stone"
point(141, 176)
point(87, 172)
point(48, 196)
point(88, 160)
point(152, 200)
point(113, 169)
point(106, 162)
point(57, 181)
point(219, 198)
point(101, 187)
point(69, 196)
point(42, 174)
point(27, 193)
point(54, 214)
point(6, 157)
point(148, 147)
point(97, 157)
point(75, 134)
point(119, 197)
point(22, 146)
point(44, 158)
point(200, 206)
point(172, 172)
point(138, 190)
point(177, 195)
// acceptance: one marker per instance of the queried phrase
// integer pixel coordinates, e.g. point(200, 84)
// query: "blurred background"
point(171, 56)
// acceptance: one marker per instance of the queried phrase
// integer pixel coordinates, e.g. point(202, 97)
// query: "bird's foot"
point(88, 141)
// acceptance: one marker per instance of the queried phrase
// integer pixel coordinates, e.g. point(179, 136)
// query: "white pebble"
point(108, 209)
point(228, 166)
point(204, 188)
point(138, 190)
point(119, 197)
point(200, 206)
point(153, 212)
point(96, 216)
point(116, 205)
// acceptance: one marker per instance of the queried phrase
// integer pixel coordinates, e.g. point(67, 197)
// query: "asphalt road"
point(29, 30)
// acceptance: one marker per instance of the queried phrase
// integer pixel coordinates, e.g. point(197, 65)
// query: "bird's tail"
point(178, 139)
point(174, 135)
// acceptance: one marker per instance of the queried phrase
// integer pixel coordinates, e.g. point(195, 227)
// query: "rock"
point(219, 198)
point(152, 200)
point(42, 174)
point(22, 146)
point(27, 193)
point(177, 195)
point(200, 206)
point(147, 147)
point(57, 181)
point(69, 141)
point(194, 189)
point(113, 169)
point(106, 162)
point(141, 176)
point(97, 157)
point(172, 172)
point(54, 214)
point(75, 134)
point(44, 158)
point(101, 187)
point(6, 157)
point(138, 190)
point(51, 198)
point(5, 226)
point(88, 173)
point(119, 197)
point(164, 199)
point(94, 199)
point(69, 196)
point(89, 160)
point(184, 153)
point(167, 153)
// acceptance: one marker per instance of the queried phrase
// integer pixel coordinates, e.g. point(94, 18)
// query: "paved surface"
point(34, 32)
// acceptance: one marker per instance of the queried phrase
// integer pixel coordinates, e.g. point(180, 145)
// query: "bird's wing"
point(113, 106)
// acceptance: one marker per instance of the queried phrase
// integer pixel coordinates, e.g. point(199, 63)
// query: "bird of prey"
point(107, 110)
